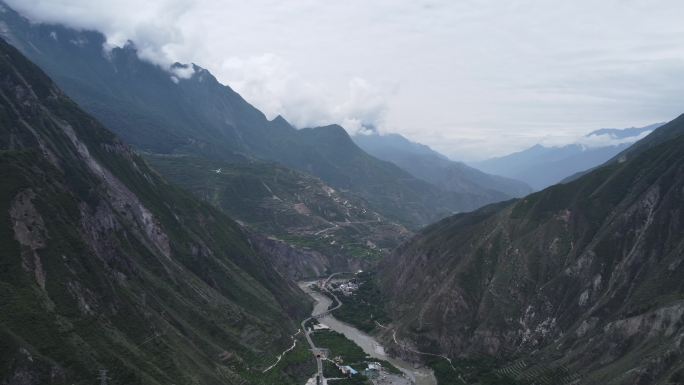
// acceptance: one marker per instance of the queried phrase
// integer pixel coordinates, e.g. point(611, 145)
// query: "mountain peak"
point(114, 245)
point(332, 129)
point(279, 120)
point(541, 166)
point(424, 163)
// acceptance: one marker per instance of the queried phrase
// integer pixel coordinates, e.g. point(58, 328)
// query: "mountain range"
point(291, 184)
point(578, 283)
point(105, 266)
point(153, 225)
point(541, 166)
point(424, 163)
point(185, 110)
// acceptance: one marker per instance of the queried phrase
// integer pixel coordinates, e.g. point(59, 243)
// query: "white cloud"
point(152, 25)
point(469, 78)
point(181, 71)
point(605, 140)
point(364, 107)
point(271, 83)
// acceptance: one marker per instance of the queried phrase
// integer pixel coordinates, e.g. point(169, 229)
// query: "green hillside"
point(106, 266)
point(582, 278)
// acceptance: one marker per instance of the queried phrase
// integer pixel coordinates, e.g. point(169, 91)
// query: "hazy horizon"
point(471, 80)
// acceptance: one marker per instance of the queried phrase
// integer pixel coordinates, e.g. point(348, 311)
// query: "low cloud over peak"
point(151, 25)
point(471, 79)
point(164, 33)
point(275, 86)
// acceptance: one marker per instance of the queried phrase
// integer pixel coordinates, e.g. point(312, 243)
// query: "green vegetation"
point(339, 345)
point(310, 323)
point(483, 371)
point(359, 379)
point(365, 306)
point(330, 370)
point(551, 259)
point(202, 118)
point(363, 252)
point(107, 266)
point(295, 367)
point(346, 349)
point(292, 206)
point(334, 302)
point(344, 244)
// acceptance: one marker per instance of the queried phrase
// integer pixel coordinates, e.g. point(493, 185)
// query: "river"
point(421, 375)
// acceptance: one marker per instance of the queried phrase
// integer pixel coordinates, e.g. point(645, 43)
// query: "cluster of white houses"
point(372, 371)
point(347, 288)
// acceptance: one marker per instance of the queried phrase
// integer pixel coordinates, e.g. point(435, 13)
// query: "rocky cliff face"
point(298, 264)
point(585, 276)
point(106, 266)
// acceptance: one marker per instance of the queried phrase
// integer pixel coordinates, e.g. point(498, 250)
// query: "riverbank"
point(419, 375)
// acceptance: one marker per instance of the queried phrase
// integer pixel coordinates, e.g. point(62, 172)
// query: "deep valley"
point(158, 228)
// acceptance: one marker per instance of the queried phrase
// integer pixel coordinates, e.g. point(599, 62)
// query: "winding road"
point(280, 357)
point(405, 347)
point(317, 353)
point(413, 374)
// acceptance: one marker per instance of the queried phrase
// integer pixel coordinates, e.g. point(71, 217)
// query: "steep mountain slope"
point(675, 128)
point(424, 163)
point(582, 278)
point(542, 166)
point(290, 205)
point(106, 266)
point(187, 111)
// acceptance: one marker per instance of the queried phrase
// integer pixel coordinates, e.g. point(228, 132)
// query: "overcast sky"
point(469, 78)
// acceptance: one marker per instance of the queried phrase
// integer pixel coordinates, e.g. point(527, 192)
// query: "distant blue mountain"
point(541, 166)
point(424, 163)
point(186, 111)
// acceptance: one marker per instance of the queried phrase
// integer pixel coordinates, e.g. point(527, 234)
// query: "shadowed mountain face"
point(583, 276)
point(106, 266)
point(424, 163)
point(162, 112)
point(542, 166)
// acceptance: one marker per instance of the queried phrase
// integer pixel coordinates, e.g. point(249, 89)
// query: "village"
point(343, 361)
point(338, 367)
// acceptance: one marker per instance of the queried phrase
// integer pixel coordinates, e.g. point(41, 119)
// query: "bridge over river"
point(419, 376)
